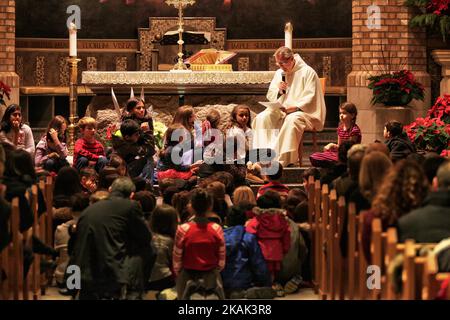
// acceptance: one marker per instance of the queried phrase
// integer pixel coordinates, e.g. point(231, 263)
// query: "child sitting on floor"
point(199, 251)
point(271, 227)
point(347, 130)
point(88, 151)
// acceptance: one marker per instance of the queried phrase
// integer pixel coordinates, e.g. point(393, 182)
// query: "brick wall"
point(392, 47)
point(400, 45)
point(7, 35)
point(8, 49)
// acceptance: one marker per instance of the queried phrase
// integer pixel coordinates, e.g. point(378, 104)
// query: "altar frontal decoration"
point(211, 60)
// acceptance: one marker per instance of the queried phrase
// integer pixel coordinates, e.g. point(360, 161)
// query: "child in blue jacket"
point(245, 265)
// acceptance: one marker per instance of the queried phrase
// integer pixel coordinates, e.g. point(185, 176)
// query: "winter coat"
point(431, 223)
point(272, 230)
point(294, 258)
point(146, 138)
point(112, 246)
point(245, 265)
point(400, 147)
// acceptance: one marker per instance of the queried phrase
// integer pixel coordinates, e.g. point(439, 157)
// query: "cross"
point(180, 4)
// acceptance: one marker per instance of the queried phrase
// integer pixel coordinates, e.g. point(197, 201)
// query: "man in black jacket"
point(431, 223)
point(113, 246)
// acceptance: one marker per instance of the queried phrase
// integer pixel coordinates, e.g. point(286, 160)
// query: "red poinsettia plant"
point(432, 133)
point(5, 90)
point(395, 88)
point(434, 14)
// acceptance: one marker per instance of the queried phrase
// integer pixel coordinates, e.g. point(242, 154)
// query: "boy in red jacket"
point(199, 250)
point(88, 151)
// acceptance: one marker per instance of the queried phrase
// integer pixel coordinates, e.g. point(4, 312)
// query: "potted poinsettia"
point(432, 133)
point(397, 88)
point(5, 90)
point(432, 14)
point(391, 94)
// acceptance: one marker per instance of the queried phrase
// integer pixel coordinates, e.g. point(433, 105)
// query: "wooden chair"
point(313, 132)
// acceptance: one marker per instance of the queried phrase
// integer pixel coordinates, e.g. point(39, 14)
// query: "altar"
point(168, 90)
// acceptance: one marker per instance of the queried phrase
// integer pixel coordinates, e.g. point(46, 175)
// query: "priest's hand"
point(282, 87)
point(289, 110)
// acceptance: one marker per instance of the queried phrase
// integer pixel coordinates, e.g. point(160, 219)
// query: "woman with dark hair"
point(136, 111)
point(18, 178)
point(67, 184)
point(51, 150)
point(403, 189)
point(14, 131)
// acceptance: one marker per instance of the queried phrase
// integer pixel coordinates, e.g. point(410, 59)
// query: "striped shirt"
point(354, 133)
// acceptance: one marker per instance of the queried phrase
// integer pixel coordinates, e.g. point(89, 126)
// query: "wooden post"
point(317, 237)
point(36, 277)
point(324, 237)
point(362, 260)
point(313, 226)
point(376, 251)
point(17, 253)
point(351, 253)
point(408, 276)
point(337, 249)
point(331, 254)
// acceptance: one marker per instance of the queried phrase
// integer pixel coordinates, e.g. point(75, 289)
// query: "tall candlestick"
point(180, 4)
point(288, 29)
point(73, 40)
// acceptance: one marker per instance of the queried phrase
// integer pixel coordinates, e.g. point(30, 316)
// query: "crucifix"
point(180, 4)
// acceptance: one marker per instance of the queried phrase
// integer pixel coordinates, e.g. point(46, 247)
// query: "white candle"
point(73, 40)
point(288, 29)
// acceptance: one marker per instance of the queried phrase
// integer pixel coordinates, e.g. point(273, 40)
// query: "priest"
point(297, 88)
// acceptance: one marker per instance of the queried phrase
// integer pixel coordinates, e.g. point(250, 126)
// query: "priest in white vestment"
point(297, 88)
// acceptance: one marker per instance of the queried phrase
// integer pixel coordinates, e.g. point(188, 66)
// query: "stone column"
point(442, 57)
point(391, 46)
point(8, 49)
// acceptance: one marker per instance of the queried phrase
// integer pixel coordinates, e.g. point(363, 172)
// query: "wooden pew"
point(324, 258)
point(391, 251)
point(49, 202)
point(35, 268)
point(432, 279)
point(377, 250)
point(16, 263)
point(313, 227)
point(317, 237)
point(340, 285)
point(352, 254)
point(43, 221)
point(362, 263)
point(331, 229)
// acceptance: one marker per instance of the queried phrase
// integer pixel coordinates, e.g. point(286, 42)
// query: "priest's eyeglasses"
point(283, 63)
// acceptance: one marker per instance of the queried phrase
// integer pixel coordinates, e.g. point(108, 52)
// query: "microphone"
point(283, 78)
